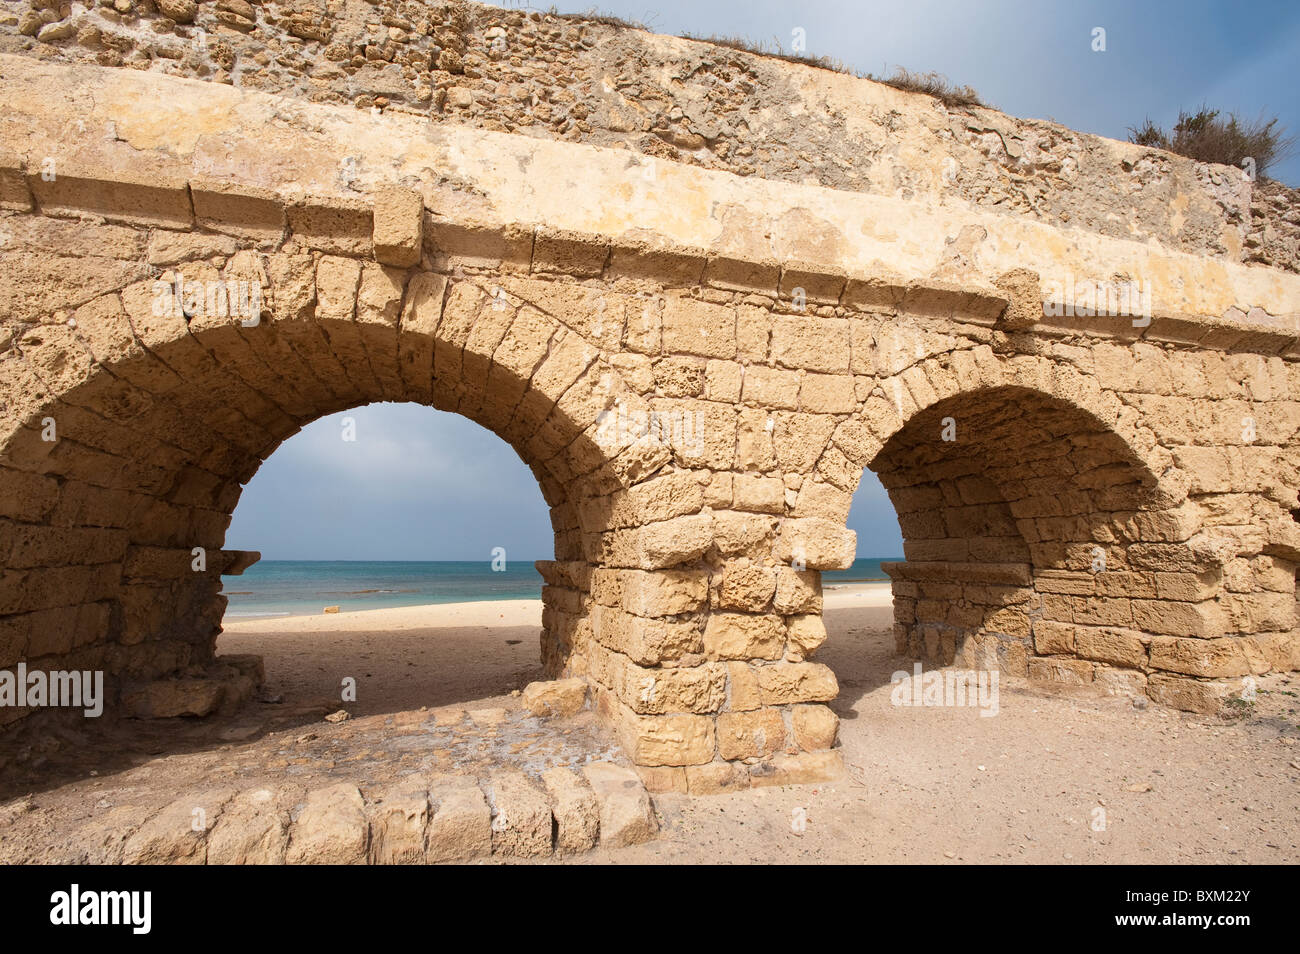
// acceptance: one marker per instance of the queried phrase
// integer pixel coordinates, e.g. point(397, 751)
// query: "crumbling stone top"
point(577, 79)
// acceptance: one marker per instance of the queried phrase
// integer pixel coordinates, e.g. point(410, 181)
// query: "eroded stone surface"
point(1087, 498)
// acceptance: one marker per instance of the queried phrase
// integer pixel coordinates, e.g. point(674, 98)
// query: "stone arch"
point(159, 408)
point(1050, 536)
point(1004, 495)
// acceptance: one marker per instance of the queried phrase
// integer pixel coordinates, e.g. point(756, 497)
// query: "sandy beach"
point(444, 654)
point(932, 785)
point(1053, 778)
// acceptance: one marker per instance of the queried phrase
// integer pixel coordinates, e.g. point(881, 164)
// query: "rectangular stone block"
point(332, 828)
point(758, 733)
point(1052, 638)
point(461, 826)
point(1190, 695)
point(784, 683)
point(398, 219)
point(1203, 620)
point(744, 636)
point(798, 592)
point(697, 327)
point(805, 768)
point(1111, 646)
point(667, 265)
point(626, 814)
point(521, 816)
point(576, 811)
point(149, 197)
point(817, 284)
point(1200, 657)
point(420, 317)
point(677, 739)
point(333, 225)
point(810, 342)
point(234, 208)
point(812, 543)
point(745, 586)
point(14, 193)
point(1068, 672)
point(741, 274)
point(571, 253)
point(647, 642)
point(662, 592)
point(770, 387)
point(399, 820)
point(827, 394)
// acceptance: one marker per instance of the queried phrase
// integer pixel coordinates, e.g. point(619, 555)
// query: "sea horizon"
point(273, 588)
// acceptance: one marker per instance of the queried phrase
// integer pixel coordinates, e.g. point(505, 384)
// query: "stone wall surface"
point(697, 365)
point(578, 80)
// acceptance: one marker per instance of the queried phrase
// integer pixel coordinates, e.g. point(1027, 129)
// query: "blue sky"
point(419, 484)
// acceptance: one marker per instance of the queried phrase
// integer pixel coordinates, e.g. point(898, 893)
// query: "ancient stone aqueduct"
point(698, 291)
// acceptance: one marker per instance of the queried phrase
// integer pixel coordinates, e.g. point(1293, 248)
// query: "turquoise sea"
point(305, 587)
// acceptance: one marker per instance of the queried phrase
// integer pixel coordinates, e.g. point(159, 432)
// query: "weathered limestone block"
point(744, 692)
point(170, 698)
point(783, 683)
point(802, 769)
point(752, 734)
point(743, 636)
point(1117, 647)
point(378, 311)
point(797, 592)
point(815, 544)
point(576, 810)
point(572, 253)
point(816, 344)
point(1070, 672)
point(742, 534)
point(657, 593)
point(461, 826)
point(1206, 619)
point(335, 225)
point(562, 697)
point(647, 642)
point(177, 833)
point(746, 586)
point(250, 831)
point(698, 328)
point(137, 196)
point(1021, 286)
point(237, 209)
point(1190, 695)
point(627, 816)
point(806, 632)
point(521, 816)
point(716, 778)
point(331, 829)
point(676, 739)
point(398, 227)
point(771, 388)
point(815, 727)
point(399, 820)
point(698, 689)
point(420, 317)
point(1120, 682)
point(1200, 657)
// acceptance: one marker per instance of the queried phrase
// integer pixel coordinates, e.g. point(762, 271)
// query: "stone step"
point(418, 820)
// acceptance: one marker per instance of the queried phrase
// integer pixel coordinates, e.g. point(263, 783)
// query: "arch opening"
point(399, 519)
point(1024, 518)
point(139, 426)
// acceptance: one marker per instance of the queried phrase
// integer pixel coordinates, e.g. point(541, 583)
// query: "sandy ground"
point(1050, 778)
